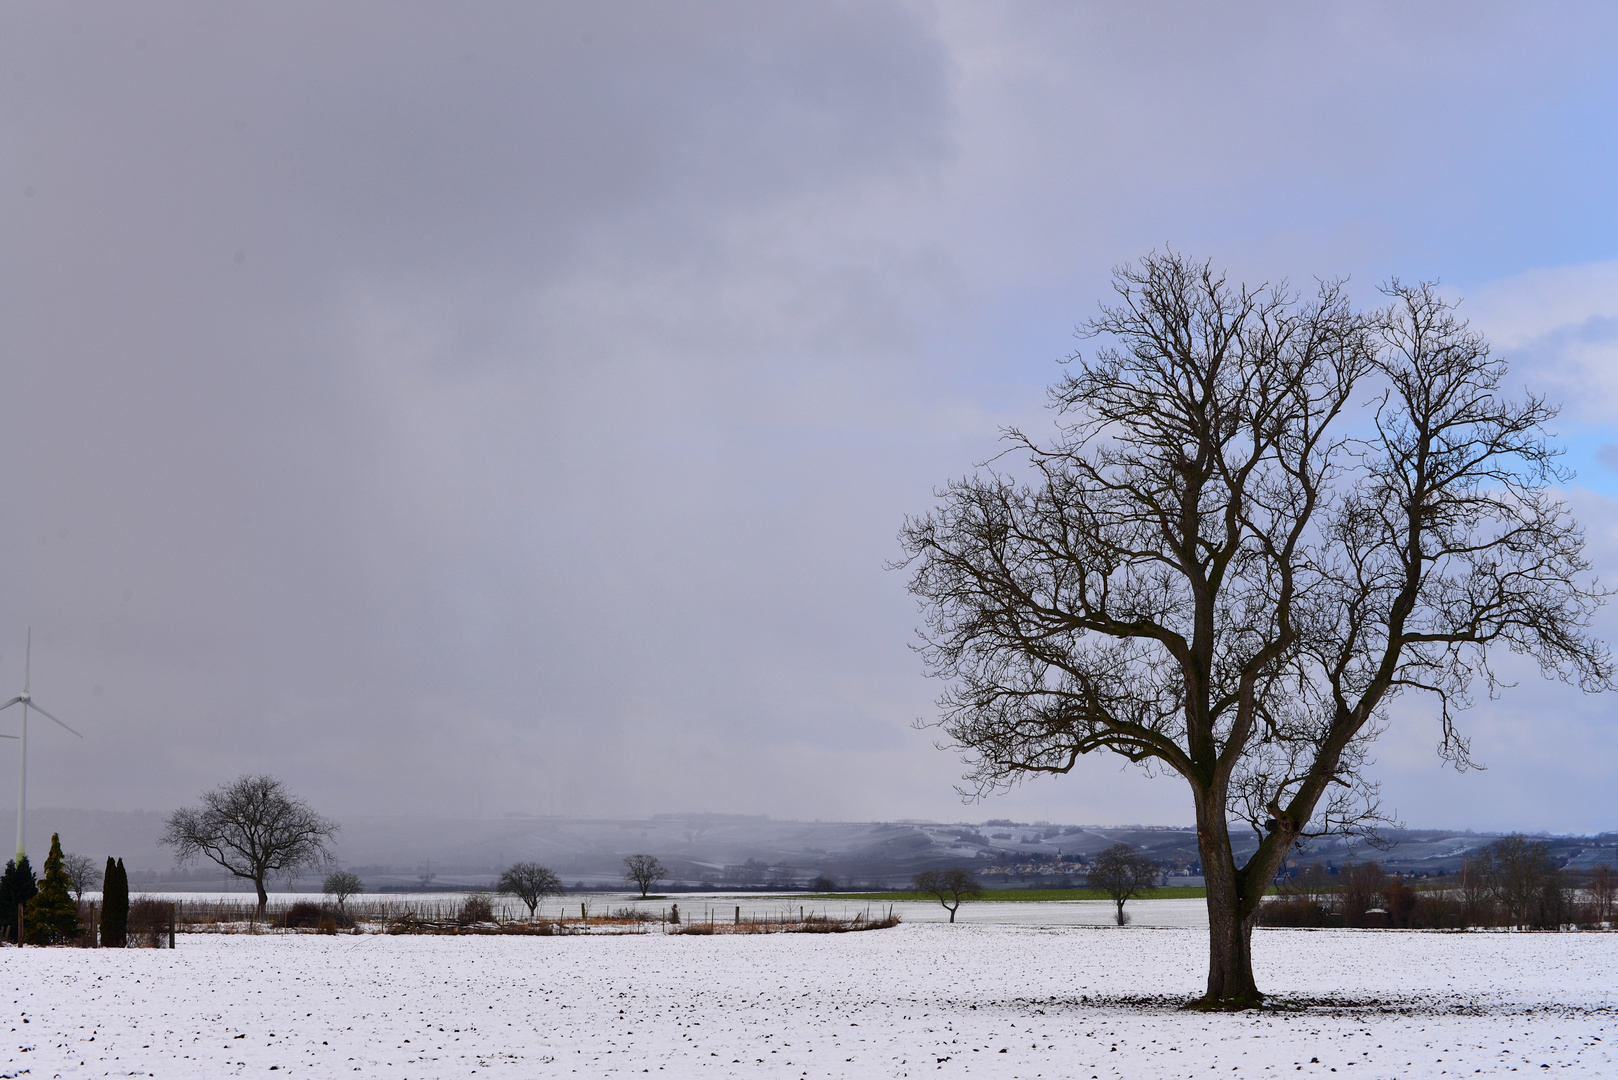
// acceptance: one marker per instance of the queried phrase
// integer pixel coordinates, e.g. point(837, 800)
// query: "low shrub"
point(149, 921)
point(476, 909)
point(1295, 911)
point(303, 915)
point(627, 914)
point(700, 928)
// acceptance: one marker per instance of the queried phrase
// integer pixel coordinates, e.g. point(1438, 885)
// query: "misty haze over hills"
point(730, 851)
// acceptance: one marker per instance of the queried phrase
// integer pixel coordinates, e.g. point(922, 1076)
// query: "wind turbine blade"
point(7, 736)
point(35, 706)
point(10, 703)
point(27, 659)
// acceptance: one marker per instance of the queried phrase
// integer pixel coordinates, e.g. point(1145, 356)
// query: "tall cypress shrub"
point(114, 905)
point(109, 882)
point(53, 914)
point(16, 887)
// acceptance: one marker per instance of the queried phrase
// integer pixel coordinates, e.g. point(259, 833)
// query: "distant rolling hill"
point(733, 851)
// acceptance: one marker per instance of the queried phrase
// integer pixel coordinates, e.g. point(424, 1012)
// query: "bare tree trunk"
point(1230, 956)
point(1230, 916)
point(263, 896)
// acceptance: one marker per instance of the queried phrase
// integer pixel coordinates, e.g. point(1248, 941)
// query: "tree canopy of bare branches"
point(1123, 874)
point(81, 873)
point(340, 885)
point(254, 828)
point(530, 883)
point(949, 887)
point(1262, 518)
point(643, 871)
point(1521, 875)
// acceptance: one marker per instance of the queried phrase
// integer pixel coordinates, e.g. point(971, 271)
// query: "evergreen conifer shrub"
point(53, 914)
point(17, 886)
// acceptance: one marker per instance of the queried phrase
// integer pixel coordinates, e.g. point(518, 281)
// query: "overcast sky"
point(484, 408)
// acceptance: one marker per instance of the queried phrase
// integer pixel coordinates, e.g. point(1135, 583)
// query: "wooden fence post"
point(171, 925)
point(19, 925)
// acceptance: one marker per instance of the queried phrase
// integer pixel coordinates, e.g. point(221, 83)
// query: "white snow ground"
point(982, 999)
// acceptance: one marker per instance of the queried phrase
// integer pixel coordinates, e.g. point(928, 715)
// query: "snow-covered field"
point(994, 999)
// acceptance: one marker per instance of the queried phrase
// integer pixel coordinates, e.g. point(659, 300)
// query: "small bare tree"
point(342, 884)
point(644, 871)
point(81, 874)
point(253, 828)
point(1603, 887)
point(950, 887)
point(1123, 874)
point(530, 883)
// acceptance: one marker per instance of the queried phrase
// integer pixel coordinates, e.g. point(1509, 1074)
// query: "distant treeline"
point(1514, 882)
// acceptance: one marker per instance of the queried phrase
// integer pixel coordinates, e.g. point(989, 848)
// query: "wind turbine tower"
point(27, 702)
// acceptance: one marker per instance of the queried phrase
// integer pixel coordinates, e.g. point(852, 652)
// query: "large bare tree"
point(1261, 519)
point(644, 871)
point(254, 828)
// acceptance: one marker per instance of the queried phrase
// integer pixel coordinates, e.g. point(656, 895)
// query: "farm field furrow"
point(978, 999)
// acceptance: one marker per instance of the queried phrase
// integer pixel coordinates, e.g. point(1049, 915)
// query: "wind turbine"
point(26, 702)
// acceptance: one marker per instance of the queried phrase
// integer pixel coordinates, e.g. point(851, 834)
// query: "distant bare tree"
point(1260, 520)
point(254, 828)
point(1523, 875)
point(1603, 887)
point(530, 883)
point(1123, 874)
point(644, 871)
point(342, 884)
point(81, 874)
point(950, 887)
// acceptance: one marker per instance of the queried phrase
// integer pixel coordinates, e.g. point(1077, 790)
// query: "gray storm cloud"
point(503, 407)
